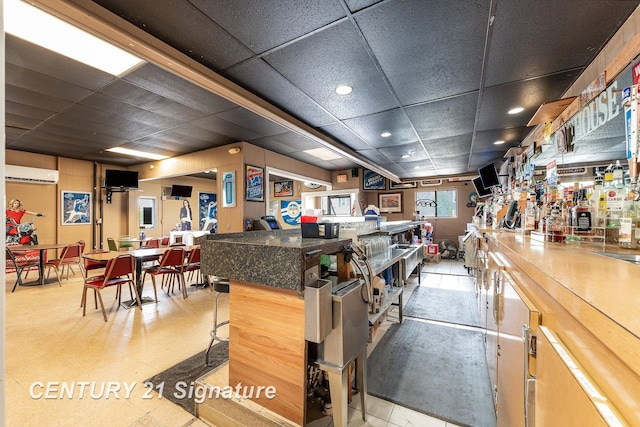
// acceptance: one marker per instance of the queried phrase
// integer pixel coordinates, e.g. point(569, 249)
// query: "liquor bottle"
point(555, 225)
point(615, 189)
point(530, 214)
point(582, 214)
point(595, 194)
point(628, 226)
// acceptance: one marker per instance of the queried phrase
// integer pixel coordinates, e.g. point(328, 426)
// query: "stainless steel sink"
point(632, 258)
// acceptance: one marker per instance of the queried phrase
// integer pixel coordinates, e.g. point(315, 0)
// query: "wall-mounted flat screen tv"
point(181, 190)
point(489, 176)
point(480, 189)
point(120, 178)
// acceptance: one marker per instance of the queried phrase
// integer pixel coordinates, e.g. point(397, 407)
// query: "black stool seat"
point(221, 285)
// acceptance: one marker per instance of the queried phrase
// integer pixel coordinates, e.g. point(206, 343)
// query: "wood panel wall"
point(267, 345)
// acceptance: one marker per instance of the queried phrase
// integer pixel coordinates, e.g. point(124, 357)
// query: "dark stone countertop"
point(276, 258)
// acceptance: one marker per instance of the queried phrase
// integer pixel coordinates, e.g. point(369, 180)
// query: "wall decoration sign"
point(373, 181)
point(208, 212)
point(291, 211)
point(390, 203)
point(283, 188)
point(255, 183)
point(229, 189)
point(430, 182)
point(402, 185)
point(76, 208)
point(552, 173)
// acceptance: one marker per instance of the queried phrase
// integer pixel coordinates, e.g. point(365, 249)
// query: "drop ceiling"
point(440, 76)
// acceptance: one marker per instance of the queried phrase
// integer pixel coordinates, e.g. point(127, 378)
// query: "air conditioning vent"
point(30, 175)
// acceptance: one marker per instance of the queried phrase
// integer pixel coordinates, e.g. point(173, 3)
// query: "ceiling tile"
point(425, 49)
point(245, 118)
point(184, 27)
point(264, 81)
point(317, 64)
point(266, 24)
point(513, 56)
point(156, 80)
point(444, 118)
point(371, 127)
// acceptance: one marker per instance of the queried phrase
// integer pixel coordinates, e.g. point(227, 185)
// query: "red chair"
point(172, 264)
point(153, 243)
point(165, 241)
point(118, 271)
point(193, 264)
point(19, 265)
point(70, 255)
point(91, 264)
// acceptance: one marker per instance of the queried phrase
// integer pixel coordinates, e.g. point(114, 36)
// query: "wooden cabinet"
point(572, 364)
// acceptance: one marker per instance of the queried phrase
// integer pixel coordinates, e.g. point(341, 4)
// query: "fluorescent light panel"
point(323, 154)
point(38, 27)
point(136, 153)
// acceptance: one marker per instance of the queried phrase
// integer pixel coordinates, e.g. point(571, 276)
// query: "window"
point(147, 207)
point(437, 204)
point(336, 205)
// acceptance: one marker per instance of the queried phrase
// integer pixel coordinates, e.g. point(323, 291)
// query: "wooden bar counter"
point(267, 344)
point(588, 305)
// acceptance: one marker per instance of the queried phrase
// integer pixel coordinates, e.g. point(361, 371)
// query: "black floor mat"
point(438, 370)
point(186, 372)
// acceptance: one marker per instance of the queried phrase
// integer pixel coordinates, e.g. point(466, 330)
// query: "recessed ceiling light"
point(516, 110)
point(499, 142)
point(385, 134)
point(38, 27)
point(136, 153)
point(344, 90)
point(405, 156)
point(323, 154)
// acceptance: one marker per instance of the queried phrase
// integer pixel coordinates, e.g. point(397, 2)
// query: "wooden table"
point(141, 256)
point(136, 240)
point(42, 248)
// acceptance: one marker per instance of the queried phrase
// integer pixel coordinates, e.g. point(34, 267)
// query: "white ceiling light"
point(323, 154)
point(516, 110)
point(385, 134)
point(136, 153)
point(405, 156)
point(38, 27)
point(344, 90)
point(417, 167)
point(499, 142)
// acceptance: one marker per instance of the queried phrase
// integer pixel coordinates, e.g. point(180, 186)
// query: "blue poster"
point(291, 211)
point(76, 208)
point(373, 181)
point(208, 212)
point(229, 189)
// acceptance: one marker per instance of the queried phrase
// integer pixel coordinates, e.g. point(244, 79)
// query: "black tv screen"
point(489, 176)
point(181, 190)
point(120, 178)
point(480, 189)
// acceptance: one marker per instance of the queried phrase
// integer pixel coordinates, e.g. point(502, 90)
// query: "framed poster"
point(255, 183)
point(229, 189)
point(283, 188)
point(76, 208)
point(208, 212)
point(390, 202)
point(373, 181)
point(291, 211)
point(401, 185)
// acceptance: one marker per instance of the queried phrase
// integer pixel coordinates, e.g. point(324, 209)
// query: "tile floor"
point(48, 342)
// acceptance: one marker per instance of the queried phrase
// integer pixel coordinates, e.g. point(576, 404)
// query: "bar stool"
point(220, 286)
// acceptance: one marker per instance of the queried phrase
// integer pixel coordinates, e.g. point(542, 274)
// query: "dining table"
point(142, 241)
point(42, 248)
point(141, 256)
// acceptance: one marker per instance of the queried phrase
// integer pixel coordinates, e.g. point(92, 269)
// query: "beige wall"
point(121, 216)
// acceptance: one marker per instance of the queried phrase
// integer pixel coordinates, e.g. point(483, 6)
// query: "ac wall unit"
point(30, 175)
